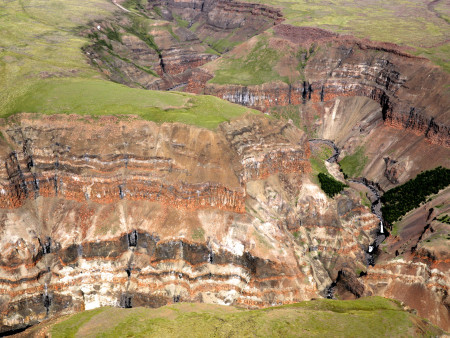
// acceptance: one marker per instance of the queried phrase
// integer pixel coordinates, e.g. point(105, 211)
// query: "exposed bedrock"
point(414, 262)
point(216, 20)
point(162, 53)
point(159, 55)
point(422, 283)
point(410, 91)
point(126, 212)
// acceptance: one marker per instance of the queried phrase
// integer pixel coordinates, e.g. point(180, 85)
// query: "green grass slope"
point(39, 40)
point(98, 97)
point(43, 70)
point(422, 24)
point(370, 317)
point(255, 68)
point(352, 165)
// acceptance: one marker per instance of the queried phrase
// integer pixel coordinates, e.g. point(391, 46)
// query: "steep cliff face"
point(126, 212)
point(143, 52)
point(162, 47)
point(414, 262)
point(129, 213)
point(221, 23)
point(409, 90)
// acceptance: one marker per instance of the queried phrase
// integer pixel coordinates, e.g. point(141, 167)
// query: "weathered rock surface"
point(152, 55)
point(126, 212)
point(410, 91)
point(414, 263)
point(163, 53)
point(215, 20)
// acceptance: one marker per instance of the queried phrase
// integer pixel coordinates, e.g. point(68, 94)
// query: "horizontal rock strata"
point(409, 90)
point(130, 213)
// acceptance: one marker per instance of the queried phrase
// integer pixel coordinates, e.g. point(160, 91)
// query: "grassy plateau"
point(43, 69)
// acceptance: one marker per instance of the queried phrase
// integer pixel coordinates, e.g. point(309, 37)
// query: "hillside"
point(421, 25)
point(326, 318)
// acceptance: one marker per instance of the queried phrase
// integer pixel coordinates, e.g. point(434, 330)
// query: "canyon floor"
point(171, 154)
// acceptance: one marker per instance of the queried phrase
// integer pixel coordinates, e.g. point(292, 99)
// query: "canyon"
point(91, 218)
point(354, 91)
point(120, 211)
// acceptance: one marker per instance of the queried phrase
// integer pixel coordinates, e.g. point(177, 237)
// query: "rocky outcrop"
point(409, 90)
point(422, 284)
point(148, 54)
point(393, 170)
point(126, 212)
point(162, 53)
point(414, 262)
point(215, 21)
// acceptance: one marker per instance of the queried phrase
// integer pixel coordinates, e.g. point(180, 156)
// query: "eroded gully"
point(374, 196)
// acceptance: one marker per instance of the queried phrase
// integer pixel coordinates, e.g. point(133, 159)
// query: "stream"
point(336, 150)
point(374, 196)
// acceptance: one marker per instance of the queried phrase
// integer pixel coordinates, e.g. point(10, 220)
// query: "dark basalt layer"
point(346, 67)
point(54, 299)
point(90, 222)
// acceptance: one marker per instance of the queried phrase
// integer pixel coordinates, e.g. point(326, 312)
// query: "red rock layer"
point(420, 283)
point(131, 213)
point(111, 190)
point(410, 91)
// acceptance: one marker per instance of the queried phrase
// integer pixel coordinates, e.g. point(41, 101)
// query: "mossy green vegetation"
point(256, 67)
point(415, 23)
point(73, 324)
point(330, 185)
point(353, 165)
point(98, 97)
point(43, 69)
point(140, 27)
point(135, 6)
point(290, 112)
point(40, 39)
point(374, 316)
point(198, 234)
point(444, 219)
point(319, 155)
point(222, 45)
point(406, 197)
point(365, 200)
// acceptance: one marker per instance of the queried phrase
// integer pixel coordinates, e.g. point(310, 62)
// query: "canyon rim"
point(160, 152)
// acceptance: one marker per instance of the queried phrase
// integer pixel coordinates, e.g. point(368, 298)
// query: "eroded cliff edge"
point(321, 67)
point(126, 212)
point(81, 219)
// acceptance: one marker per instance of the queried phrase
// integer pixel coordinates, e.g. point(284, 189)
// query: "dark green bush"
point(329, 185)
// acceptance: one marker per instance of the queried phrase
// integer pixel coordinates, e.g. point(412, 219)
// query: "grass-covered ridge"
point(374, 316)
point(99, 97)
point(40, 39)
point(406, 197)
point(43, 69)
point(255, 68)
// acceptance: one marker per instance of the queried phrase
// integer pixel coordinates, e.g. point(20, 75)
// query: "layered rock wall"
point(125, 212)
point(409, 90)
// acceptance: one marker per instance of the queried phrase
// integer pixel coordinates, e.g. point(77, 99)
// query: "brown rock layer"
point(414, 263)
point(131, 213)
point(409, 90)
